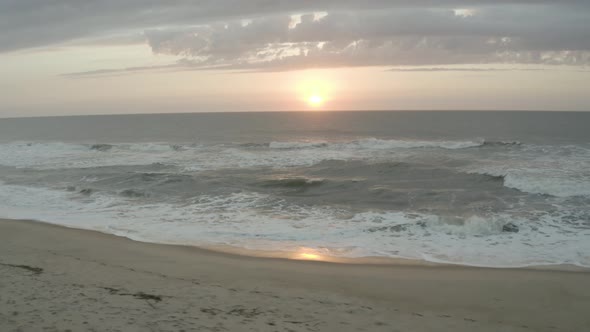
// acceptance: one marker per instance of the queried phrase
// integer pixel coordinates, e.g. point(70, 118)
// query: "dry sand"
point(59, 279)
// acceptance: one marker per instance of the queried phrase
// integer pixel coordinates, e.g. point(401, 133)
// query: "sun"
point(315, 100)
point(315, 89)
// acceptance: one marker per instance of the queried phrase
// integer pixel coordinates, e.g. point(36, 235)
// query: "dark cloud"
point(260, 34)
point(417, 36)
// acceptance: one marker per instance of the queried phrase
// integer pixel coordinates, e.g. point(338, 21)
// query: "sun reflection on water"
point(309, 254)
point(314, 257)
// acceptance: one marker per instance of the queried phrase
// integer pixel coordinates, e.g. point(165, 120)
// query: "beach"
point(273, 165)
point(60, 279)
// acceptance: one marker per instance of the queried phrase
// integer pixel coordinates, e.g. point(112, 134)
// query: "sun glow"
point(315, 100)
point(313, 257)
point(315, 88)
point(308, 254)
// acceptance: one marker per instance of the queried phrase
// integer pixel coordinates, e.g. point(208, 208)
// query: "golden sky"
point(143, 57)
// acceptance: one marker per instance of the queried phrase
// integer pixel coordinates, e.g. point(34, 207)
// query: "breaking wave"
point(292, 182)
point(378, 144)
point(374, 143)
point(101, 147)
point(297, 145)
point(260, 222)
point(557, 186)
point(502, 143)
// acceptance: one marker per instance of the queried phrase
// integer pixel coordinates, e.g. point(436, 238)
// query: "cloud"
point(182, 64)
point(451, 69)
point(415, 36)
point(114, 72)
point(287, 35)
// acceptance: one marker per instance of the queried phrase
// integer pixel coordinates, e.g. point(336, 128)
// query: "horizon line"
point(299, 111)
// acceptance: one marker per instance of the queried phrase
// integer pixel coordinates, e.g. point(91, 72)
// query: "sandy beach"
point(59, 279)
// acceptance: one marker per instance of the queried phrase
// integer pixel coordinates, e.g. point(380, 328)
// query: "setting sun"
point(315, 88)
point(315, 100)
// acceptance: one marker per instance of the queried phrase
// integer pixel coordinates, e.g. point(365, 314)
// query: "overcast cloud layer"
point(285, 35)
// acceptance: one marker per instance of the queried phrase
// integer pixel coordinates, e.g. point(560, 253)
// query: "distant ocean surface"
point(499, 189)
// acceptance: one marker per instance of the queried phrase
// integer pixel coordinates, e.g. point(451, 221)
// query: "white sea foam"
point(549, 184)
point(374, 143)
point(194, 157)
point(549, 170)
point(65, 155)
point(378, 144)
point(556, 171)
point(297, 145)
point(556, 182)
point(257, 221)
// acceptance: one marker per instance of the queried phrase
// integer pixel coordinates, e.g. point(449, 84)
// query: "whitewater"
point(346, 187)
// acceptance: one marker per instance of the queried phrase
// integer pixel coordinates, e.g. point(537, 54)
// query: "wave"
point(254, 145)
point(378, 144)
point(365, 143)
point(559, 171)
point(551, 183)
point(556, 186)
point(293, 182)
point(143, 147)
point(60, 155)
point(101, 147)
point(86, 191)
point(128, 193)
point(501, 143)
point(260, 222)
point(297, 145)
point(133, 193)
point(22, 154)
point(375, 143)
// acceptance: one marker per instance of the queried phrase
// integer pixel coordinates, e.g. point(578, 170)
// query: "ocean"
point(495, 189)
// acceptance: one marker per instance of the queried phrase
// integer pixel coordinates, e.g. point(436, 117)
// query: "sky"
point(64, 57)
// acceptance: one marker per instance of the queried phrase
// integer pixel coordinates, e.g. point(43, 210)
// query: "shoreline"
point(371, 260)
point(63, 278)
point(313, 255)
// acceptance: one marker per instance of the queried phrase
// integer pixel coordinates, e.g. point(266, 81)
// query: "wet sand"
point(58, 279)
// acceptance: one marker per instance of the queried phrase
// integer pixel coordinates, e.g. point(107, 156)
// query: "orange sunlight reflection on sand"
point(308, 255)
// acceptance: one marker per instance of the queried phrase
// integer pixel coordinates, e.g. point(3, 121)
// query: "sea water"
point(499, 189)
